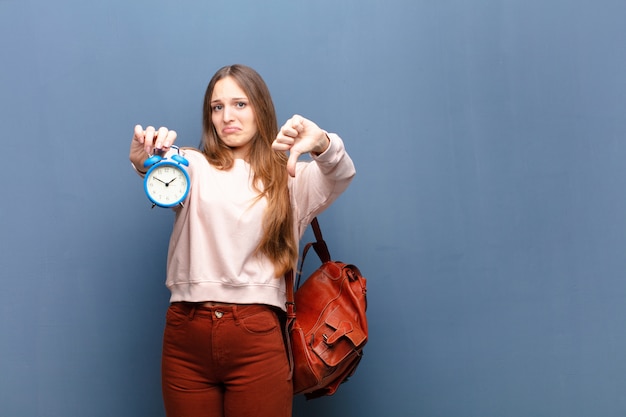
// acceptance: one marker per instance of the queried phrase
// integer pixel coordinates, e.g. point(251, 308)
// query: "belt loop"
point(192, 310)
point(235, 314)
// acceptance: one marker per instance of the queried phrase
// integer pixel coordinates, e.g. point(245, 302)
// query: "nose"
point(227, 114)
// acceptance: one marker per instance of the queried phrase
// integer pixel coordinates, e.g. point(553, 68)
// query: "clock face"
point(166, 184)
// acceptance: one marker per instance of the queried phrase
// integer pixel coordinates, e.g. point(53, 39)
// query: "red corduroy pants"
point(225, 361)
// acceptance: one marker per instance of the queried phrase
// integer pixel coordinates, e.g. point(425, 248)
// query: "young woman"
point(231, 244)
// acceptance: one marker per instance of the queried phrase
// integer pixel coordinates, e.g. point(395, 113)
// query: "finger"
point(297, 122)
point(283, 141)
point(139, 134)
point(291, 162)
point(164, 139)
point(149, 140)
point(170, 139)
point(292, 127)
point(278, 146)
point(289, 130)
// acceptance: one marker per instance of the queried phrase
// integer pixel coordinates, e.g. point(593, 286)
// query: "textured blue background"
point(488, 212)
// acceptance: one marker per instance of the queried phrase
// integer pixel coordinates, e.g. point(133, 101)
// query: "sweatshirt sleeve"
point(320, 181)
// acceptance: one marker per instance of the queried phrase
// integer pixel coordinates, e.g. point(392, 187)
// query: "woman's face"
point(233, 116)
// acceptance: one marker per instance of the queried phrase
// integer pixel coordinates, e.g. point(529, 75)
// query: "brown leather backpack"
point(326, 323)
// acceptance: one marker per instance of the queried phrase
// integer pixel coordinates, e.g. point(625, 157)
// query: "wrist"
point(324, 144)
point(139, 170)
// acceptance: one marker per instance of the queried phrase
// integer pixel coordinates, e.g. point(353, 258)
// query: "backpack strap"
point(290, 319)
point(321, 249)
point(319, 246)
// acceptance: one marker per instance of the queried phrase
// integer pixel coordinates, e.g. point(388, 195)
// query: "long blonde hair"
point(269, 167)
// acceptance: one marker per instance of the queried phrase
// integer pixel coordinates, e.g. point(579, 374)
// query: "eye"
point(217, 107)
point(241, 104)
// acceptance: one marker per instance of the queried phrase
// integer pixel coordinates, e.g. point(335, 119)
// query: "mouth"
point(229, 130)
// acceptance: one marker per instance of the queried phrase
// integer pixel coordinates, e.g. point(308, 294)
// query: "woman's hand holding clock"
point(147, 142)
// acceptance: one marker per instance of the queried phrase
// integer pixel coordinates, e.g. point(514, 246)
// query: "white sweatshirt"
point(212, 251)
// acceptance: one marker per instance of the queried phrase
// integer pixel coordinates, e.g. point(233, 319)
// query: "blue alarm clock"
point(167, 182)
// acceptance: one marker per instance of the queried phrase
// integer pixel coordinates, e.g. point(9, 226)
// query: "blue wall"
point(489, 209)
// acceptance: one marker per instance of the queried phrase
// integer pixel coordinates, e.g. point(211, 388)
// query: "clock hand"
point(160, 180)
point(171, 181)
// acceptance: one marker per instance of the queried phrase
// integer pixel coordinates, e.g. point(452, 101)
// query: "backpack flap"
point(344, 326)
point(338, 339)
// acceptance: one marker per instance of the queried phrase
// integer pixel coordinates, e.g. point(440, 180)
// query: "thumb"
point(291, 162)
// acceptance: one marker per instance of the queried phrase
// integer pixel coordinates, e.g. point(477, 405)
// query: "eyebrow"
point(232, 99)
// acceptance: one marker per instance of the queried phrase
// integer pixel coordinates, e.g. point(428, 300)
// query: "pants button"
point(219, 314)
